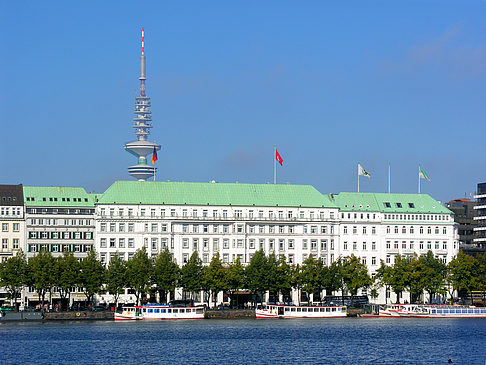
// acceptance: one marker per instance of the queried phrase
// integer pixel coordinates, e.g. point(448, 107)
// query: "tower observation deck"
point(142, 123)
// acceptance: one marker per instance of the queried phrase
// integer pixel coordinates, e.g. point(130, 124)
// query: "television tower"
point(142, 122)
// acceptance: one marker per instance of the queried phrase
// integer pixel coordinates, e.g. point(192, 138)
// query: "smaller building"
point(12, 222)
point(480, 218)
point(464, 214)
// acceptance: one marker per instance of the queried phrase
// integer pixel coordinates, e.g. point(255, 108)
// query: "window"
point(345, 245)
point(205, 228)
point(345, 229)
point(364, 230)
point(364, 246)
point(444, 245)
point(225, 258)
point(373, 260)
point(291, 244)
point(323, 229)
point(261, 229)
point(396, 230)
point(15, 243)
point(153, 227)
point(252, 243)
point(121, 242)
point(398, 205)
point(164, 228)
point(355, 230)
point(185, 258)
point(291, 259)
point(185, 228)
point(271, 244)
point(226, 243)
point(411, 205)
point(281, 229)
point(121, 227)
point(291, 229)
point(404, 244)
point(185, 243)
point(444, 230)
point(395, 245)
point(314, 245)
point(142, 212)
point(130, 227)
point(103, 242)
point(421, 230)
point(16, 227)
point(131, 243)
point(388, 259)
point(206, 244)
point(387, 205)
point(103, 227)
point(404, 229)
point(304, 244)
point(281, 245)
point(355, 246)
point(332, 248)
point(4, 243)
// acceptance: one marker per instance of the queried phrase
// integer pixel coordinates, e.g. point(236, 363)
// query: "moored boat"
point(157, 312)
point(290, 311)
point(432, 311)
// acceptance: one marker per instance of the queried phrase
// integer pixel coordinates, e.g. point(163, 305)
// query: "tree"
point(309, 275)
point(355, 275)
point(41, 273)
point(165, 274)
point(433, 272)
point(66, 274)
point(256, 274)
point(214, 278)
point(272, 275)
point(284, 277)
point(331, 277)
point(399, 275)
point(91, 275)
point(464, 273)
point(191, 274)
point(13, 276)
point(139, 271)
point(383, 276)
point(235, 276)
point(116, 277)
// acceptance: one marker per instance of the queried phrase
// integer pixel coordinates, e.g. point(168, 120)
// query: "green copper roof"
point(53, 196)
point(389, 203)
point(180, 193)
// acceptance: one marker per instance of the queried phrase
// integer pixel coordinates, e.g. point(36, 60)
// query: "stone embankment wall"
point(229, 313)
point(81, 315)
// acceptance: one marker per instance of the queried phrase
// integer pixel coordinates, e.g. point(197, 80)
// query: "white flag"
point(363, 172)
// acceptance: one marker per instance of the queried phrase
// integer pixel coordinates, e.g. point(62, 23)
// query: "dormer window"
point(387, 205)
point(399, 205)
point(411, 205)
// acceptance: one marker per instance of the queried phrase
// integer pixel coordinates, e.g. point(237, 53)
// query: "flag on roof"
point(154, 156)
point(363, 172)
point(423, 174)
point(278, 157)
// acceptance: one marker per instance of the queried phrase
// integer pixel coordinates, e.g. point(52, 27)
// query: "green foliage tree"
point(272, 280)
point(331, 277)
point(13, 276)
point(191, 275)
point(139, 272)
point(310, 275)
point(41, 270)
point(116, 277)
point(256, 275)
point(355, 275)
point(235, 276)
point(433, 273)
point(66, 274)
point(91, 272)
point(399, 276)
point(165, 274)
point(464, 273)
point(284, 277)
point(215, 278)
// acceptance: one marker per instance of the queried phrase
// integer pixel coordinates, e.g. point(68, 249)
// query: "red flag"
point(278, 157)
point(154, 156)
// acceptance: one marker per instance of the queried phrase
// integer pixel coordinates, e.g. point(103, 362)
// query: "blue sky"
point(331, 83)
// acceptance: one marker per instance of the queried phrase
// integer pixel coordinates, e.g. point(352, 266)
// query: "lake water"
point(325, 341)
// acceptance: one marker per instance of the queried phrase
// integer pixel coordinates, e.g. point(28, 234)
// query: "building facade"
point(236, 220)
point(12, 222)
point(480, 230)
point(464, 214)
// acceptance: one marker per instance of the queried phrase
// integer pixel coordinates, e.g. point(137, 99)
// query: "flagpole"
point(419, 180)
point(389, 178)
point(274, 163)
point(358, 177)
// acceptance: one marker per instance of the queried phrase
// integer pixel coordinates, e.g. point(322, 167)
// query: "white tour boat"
point(432, 311)
point(290, 311)
point(155, 312)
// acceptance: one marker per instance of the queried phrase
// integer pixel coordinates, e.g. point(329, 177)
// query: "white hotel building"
point(236, 220)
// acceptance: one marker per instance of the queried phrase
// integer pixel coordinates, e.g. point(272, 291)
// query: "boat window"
point(316, 309)
point(144, 310)
point(470, 311)
point(328, 309)
point(162, 310)
point(333, 309)
point(304, 309)
point(287, 309)
point(150, 310)
point(292, 309)
point(299, 309)
point(199, 310)
point(169, 310)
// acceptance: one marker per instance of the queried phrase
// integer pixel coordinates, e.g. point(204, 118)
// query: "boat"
point(291, 311)
point(449, 311)
point(157, 312)
point(398, 310)
point(431, 311)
